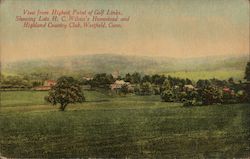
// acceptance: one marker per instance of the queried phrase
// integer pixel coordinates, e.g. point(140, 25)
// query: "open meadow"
point(112, 126)
point(219, 74)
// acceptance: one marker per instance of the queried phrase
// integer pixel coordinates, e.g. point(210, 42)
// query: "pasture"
point(112, 126)
point(219, 74)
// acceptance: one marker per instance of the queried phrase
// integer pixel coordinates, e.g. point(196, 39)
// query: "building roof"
point(226, 89)
point(189, 86)
point(120, 82)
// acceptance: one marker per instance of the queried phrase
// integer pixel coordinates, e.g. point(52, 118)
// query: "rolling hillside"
point(108, 63)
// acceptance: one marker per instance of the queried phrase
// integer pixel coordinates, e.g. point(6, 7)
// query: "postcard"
point(124, 79)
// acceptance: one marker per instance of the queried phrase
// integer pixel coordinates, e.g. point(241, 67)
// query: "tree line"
point(171, 89)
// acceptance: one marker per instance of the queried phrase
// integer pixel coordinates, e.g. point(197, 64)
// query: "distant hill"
point(108, 63)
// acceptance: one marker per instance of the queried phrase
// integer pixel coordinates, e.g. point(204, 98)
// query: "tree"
point(218, 83)
point(158, 79)
point(146, 78)
point(156, 89)
point(102, 80)
point(203, 84)
point(136, 78)
point(36, 83)
point(210, 95)
point(167, 96)
point(166, 85)
point(124, 89)
point(128, 78)
point(67, 90)
point(146, 88)
point(247, 72)
point(15, 82)
point(231, 80)
point(188, 81)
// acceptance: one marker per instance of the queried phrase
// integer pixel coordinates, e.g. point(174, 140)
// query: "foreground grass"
point(108, 126)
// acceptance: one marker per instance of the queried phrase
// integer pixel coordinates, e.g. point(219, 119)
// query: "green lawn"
point(111, 126)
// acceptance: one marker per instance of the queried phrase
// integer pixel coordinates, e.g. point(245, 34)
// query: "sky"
point(168, 28)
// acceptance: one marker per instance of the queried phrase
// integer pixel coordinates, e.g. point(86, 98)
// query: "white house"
point(118, 85)
point(189, 87)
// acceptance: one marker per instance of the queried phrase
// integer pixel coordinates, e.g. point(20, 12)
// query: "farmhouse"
point(117, 85)
point(189, 87)
point(49, 83)
point(228, 90)
point(46, 85)
point(87, 78)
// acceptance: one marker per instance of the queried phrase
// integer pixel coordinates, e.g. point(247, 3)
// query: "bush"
point(211, 95)
point(167, 96)
point(145, 89)
point(124, 89)
point(182, 96)
point(193, 102)
point(187, 103)
point(228, 98)
point(156, 90)
point(241, 96)
point(192, 95)
point(247, 90)
point(137, 89)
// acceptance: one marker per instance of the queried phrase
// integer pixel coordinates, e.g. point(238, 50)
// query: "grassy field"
point(109, 126)
point(220, 74)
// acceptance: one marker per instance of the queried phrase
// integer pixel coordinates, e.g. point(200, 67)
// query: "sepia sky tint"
point(170, 28)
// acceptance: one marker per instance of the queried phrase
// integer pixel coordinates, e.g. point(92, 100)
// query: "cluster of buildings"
point(117, 86)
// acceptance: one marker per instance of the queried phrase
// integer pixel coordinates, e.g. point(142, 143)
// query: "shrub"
point(156, 90)
point(228, 97)
point(167, 96)
point(187, 103)
point(211, 95)
point(182, 96)
point(192, 95)
point(193, 102)
point(241, 96)
point(137, 89)
point(247, 90)
point(124, 89)
point(146, 89)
